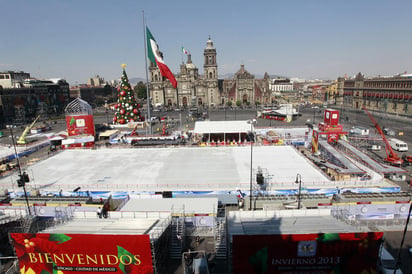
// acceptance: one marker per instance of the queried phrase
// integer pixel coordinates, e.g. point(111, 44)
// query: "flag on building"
point(184, 51)
point(156, 57)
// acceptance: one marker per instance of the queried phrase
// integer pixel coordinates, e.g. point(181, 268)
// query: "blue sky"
point(78, 39)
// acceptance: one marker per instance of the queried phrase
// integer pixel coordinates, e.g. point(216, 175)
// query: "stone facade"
point(195, 90)
point(246, 89)
point(192, 89)
point(382, 94)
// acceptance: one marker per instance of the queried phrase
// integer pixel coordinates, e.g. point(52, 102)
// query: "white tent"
point(222, 127)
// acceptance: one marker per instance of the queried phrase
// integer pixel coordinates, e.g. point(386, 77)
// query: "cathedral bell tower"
point(211, 76)
point(210, 65)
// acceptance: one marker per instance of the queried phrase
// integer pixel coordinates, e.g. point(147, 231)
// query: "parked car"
point(388, 131)
point(375, 147)
point(357, 130)
point(407, 159)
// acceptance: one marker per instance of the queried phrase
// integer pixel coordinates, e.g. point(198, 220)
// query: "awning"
point(56, 138)
point(108, 133)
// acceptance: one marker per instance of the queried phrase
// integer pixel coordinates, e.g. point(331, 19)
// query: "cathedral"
point(207, 90)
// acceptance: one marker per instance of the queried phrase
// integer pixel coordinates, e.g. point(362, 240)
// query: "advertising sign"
point(82, 253)
point(80, 125)
point(306, 253)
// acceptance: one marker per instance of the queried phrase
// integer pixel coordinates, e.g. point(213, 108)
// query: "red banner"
point(306, 253)
point(82, 253)
point(79, 125)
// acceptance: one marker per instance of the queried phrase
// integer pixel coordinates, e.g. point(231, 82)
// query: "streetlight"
point(107, 112)
point(252, 137)
point(299, 181)
point(398, 257)
point(23, 175)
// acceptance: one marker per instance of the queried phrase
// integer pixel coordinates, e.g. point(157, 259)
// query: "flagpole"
point(164, 92)
point(181, 55)
point(149, 100)
point(177, 97)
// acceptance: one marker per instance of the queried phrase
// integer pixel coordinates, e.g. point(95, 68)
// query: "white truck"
point(398, 145)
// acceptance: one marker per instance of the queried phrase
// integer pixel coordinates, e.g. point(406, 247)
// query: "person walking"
point(104, 212)
point(197, 240)
point(99, 212)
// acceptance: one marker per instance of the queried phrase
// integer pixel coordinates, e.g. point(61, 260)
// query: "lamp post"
point(299, 181)
point(251, 122)
point(23, 176)
point(107, 112)
point(398, 257)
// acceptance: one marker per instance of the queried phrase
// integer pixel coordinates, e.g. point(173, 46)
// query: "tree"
point(238, 103)
point(127, 109)
point(140, 90)
point(229, 103)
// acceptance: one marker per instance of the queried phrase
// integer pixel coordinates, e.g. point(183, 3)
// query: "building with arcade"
point(381, 94)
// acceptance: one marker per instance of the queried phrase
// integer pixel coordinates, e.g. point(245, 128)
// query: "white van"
point(398, 145)
point(386, 262)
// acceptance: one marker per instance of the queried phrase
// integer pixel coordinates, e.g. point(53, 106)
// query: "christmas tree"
point(127, 108)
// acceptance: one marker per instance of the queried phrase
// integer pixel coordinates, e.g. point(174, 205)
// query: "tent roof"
point(109, 132)
point(203, 127)
point(286, 222)
point(202, 205)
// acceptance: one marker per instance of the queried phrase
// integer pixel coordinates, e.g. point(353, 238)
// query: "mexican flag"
point(156, 58)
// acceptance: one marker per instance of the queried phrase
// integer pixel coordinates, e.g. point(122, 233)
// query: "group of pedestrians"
point(101, 212)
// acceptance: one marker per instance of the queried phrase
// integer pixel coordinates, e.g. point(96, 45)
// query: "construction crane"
point(22, 139)
point(391, 156)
